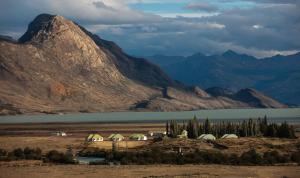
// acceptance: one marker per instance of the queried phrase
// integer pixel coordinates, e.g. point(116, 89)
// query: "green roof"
point(112, 136)
point(136, 136)
point(95, 136)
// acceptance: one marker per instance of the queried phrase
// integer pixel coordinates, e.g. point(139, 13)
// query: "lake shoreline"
point(277, 115)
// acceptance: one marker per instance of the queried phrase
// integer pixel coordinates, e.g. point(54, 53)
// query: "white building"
point(94, 138)
point(62, 134)
point(229, 136)
point(207, 137)
point(139, 137)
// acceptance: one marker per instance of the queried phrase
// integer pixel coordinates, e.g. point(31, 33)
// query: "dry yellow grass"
point(134, 171)
point(43, 137)
point(45, 143)
point(121, 144)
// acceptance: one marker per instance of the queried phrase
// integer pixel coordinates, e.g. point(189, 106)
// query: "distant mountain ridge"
point(277, 76)
point(58, 66)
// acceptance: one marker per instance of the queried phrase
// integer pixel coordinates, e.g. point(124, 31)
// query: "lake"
point(292, 115)
point(88, 160)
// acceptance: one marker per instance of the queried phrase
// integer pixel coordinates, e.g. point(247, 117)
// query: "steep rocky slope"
point(58, 66)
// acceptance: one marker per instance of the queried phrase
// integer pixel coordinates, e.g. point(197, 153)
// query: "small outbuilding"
point(94, 138)
point(157, 134)
point(116, 137)
point(139, 137)
point(229, 136)
point(207, 137)
point(184, 134)
point(60, 133)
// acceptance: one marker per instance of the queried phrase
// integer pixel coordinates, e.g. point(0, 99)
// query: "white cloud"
point(85, 11)
point(190, 15)
point(257, 26)
point(181, 33)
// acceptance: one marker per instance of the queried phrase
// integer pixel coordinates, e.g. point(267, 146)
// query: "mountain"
point(218, 91)
point(247, 95)
point(277, 76)
point(58, 66)
point(7, 38)
point(255, 99)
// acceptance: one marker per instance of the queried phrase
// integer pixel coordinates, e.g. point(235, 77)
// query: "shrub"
point(3, 154)
point(18, 153)
point(34, 154)
point(251, 158)
point(234, 159)
point(273, 157)
point(92, 152)
point(57, 157)
point(295, 157)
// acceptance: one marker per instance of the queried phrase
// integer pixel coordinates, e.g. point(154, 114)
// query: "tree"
point(247, 128)
point(271, 130)
point(251, 157)
point(174, 129)
point(193, 128)
point(167, 128)
point(264, 125)
point(285, 131)
point(206, 127)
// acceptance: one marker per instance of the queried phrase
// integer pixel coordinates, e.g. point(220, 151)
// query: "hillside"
point(277, 76)
point(58, 66)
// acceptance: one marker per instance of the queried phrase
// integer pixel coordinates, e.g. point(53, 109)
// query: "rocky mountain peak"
point(39, 27)
point(64, 37)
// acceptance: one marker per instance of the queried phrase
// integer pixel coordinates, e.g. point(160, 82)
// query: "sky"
point(172, 27)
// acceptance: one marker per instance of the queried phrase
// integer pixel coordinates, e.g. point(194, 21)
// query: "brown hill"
point(58, 66)
point(255, 98)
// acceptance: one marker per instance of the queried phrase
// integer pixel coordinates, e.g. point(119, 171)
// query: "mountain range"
point(276, 76)
point(58, 66)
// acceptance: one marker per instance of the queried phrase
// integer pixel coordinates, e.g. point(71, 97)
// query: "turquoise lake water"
point(292, 115)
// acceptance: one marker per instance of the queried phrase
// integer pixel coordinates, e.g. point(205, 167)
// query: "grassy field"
point(34, 170)
point(43, 135)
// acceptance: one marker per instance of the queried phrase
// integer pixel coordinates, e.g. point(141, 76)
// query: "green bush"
point(93, 152)
point(58, 157)
point(251, 158)
point(295, 157)
point(33, 154)
point(3, 154)
point(18, 153)
point(273, 157)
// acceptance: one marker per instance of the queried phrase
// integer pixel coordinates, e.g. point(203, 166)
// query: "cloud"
point(257, 26)
point(261, 29)
point(15, 13)
point(201, 6)
point(245, 30)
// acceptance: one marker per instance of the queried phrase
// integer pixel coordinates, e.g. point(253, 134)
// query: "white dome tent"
point(206, 137)
point(229, 136)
